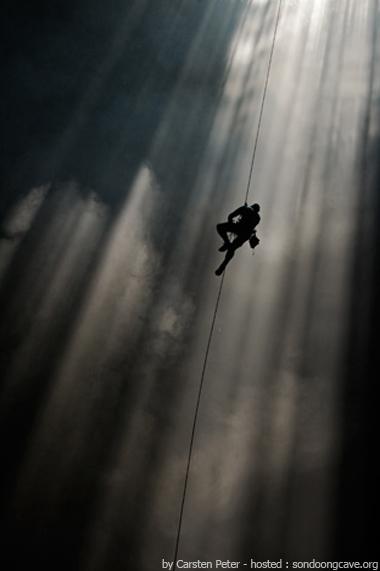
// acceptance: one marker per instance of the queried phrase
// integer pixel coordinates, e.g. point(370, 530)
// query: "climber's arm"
point(235, 213)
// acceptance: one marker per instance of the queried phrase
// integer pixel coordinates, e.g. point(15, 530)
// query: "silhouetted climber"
point(243, 228)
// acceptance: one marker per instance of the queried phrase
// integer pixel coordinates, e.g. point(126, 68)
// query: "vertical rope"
point(204, 366)
point(263, 102)
point(198, 402)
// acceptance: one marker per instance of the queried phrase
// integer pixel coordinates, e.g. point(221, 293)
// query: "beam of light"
point(58, 265)
point(289, 388)
point(113, 300)
point(17, 223)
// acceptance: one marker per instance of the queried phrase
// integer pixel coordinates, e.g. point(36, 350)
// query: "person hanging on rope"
point(241, 223)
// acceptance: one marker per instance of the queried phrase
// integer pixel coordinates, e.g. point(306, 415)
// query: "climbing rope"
point(213, 320)
point(198, 402)
point(263, 101)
